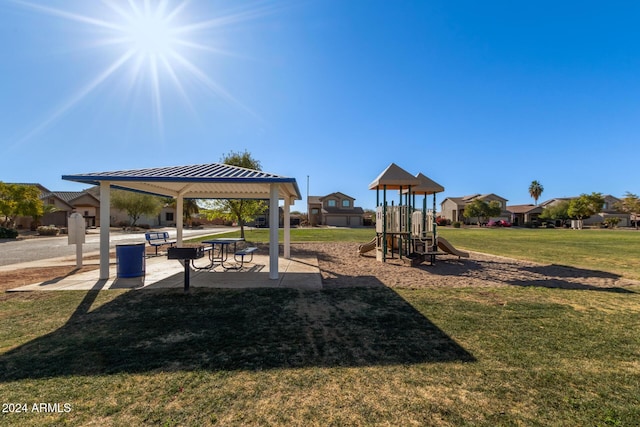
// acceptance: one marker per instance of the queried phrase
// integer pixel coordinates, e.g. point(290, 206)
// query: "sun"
point(154, 41)
point(149, 35)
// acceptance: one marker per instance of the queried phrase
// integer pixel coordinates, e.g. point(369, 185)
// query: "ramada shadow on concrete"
point(162, 273)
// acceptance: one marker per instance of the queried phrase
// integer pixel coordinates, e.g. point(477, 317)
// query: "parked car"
point(498, 223)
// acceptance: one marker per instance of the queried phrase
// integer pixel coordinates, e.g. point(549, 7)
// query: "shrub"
point(456, 224)
point(440, 221)
point(8, 233)
point(612, 222)
point(48, 230)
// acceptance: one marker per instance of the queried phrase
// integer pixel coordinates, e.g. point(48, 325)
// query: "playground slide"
point(367, 247)
point(448, 248)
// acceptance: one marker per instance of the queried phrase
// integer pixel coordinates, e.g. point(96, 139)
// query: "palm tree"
point(189, 208)
point(535, 190)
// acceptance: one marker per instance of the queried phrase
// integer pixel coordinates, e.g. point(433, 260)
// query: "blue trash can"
point(130, 260)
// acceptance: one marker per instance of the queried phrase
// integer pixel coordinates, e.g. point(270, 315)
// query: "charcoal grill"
point(186, 253)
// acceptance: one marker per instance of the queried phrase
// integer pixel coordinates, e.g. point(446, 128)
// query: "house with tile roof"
point(521, 214)
point(452, 208)
point(64, 203)
point(609, 210)
point(336, 209)
point(86, 203)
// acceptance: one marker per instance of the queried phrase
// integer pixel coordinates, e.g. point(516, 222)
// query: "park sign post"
point(76, 235)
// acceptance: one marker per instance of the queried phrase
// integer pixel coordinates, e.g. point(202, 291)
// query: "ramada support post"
point(287, 227)
point(179, 219)
point(105, 223)
point(274, 220)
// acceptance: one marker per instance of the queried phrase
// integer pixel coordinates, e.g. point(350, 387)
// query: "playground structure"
point(403, 228)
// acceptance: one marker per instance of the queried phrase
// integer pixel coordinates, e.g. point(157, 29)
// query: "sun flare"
point(155, 40)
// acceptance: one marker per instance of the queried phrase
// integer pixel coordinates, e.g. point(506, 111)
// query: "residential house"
point(86, 203)
point(68, 202)
point(336, 209)
point(452, 208)
point(609, 210)
point(64, 204)
point(521, 214)
point(165, 218)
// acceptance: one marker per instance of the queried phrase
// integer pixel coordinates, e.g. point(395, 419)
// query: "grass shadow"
point(558, 270)
point(511, 272)
point(565, 284)
point(253, 329)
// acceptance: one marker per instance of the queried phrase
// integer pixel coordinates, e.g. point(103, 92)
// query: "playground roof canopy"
point(213, 180)
point(426, 186)
point(394, 178)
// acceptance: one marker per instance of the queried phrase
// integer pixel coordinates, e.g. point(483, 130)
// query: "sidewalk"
point(296, 273)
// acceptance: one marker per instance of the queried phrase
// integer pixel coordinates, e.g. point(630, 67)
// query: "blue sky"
point(482, 97)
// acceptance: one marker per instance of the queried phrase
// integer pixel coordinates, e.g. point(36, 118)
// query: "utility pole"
point(308, 207)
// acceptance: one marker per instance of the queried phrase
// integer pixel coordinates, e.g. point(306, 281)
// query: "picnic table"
point(219, 252)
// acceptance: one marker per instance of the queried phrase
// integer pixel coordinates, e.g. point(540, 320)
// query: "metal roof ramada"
point(204, 173)
point(211, 171)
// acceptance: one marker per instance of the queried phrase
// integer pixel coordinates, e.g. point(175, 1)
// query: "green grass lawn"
point(357, 356)
point(614, 251)
point(261, 235)
point(512, 356)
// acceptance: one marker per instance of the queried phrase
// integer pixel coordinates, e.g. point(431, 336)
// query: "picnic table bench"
point(158, 238)
point(241, 254)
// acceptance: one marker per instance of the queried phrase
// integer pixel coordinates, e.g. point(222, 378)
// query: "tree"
point(189, 208)
point(535, 190)
point(46, 209)
point(584, 206)
point(19, 200)
point(557, 212)
point(243, 210)
point(493, 209)
point(482, 210)
point(630, 204)
point(135, 204)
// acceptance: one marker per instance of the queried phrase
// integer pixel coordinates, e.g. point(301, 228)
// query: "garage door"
point(338, 221)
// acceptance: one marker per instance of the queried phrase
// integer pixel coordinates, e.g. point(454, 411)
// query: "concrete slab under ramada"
point(296, 273)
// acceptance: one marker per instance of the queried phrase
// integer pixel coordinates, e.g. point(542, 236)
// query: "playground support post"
point(435, 224)
point(384, 223)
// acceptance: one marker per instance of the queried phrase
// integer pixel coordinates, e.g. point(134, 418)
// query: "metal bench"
point(158, 238)
point(241, 254)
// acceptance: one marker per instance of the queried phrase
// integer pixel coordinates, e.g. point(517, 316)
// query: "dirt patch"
point(26, 276)
point(341, 266)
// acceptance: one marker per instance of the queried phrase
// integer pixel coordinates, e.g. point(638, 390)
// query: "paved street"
point(18, 251)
